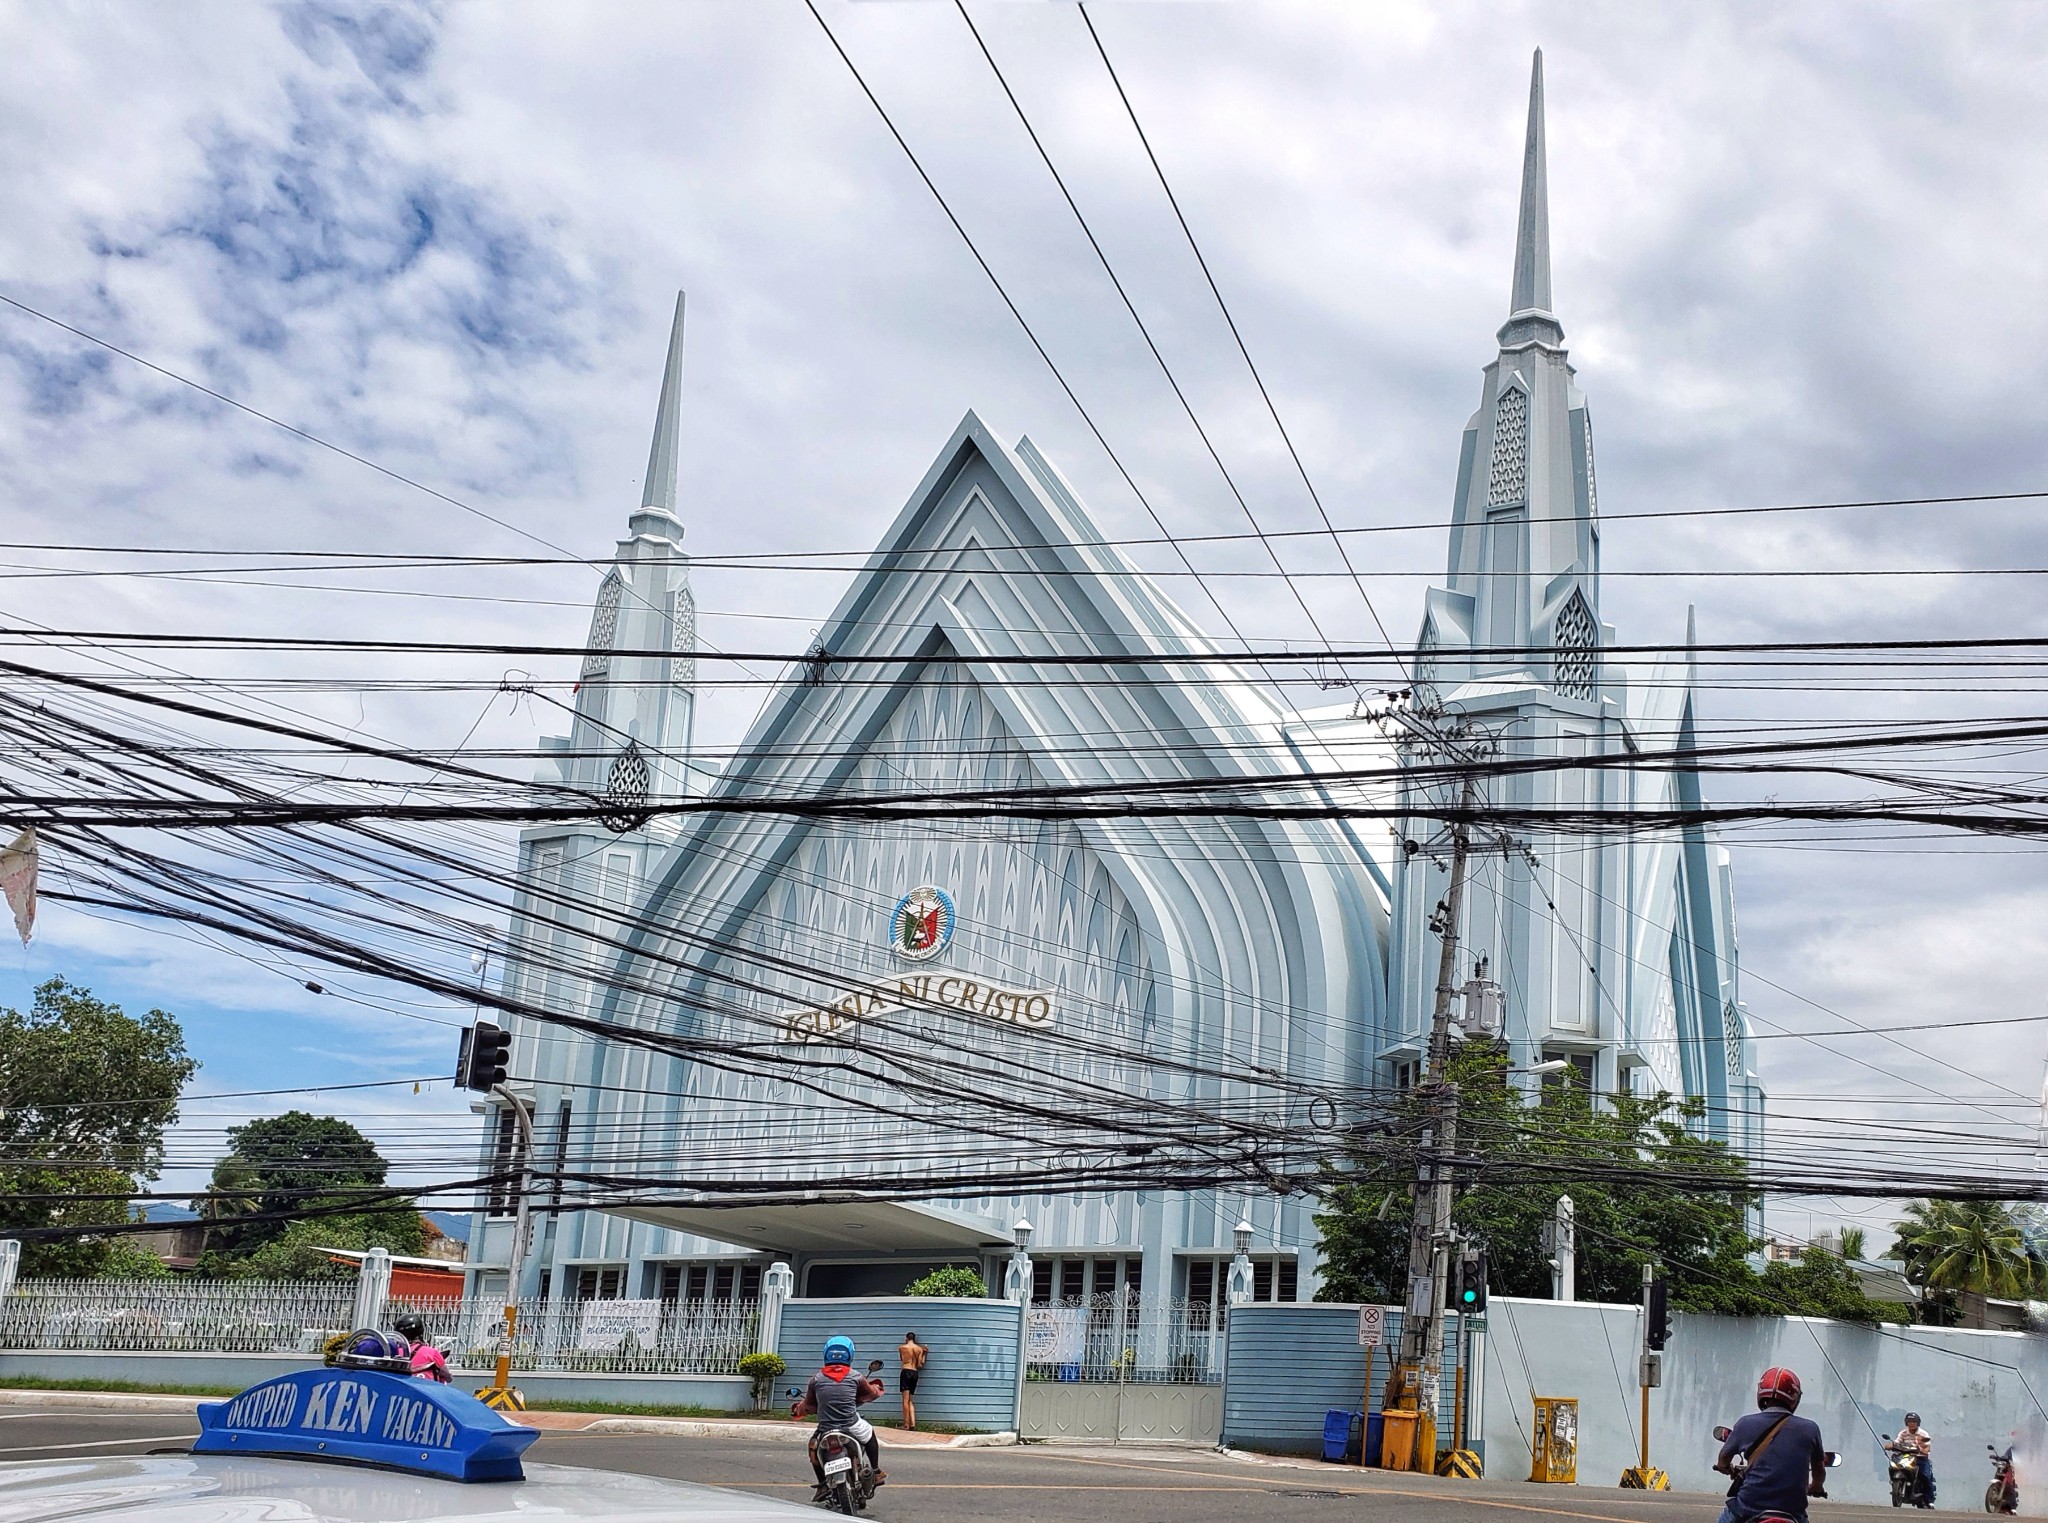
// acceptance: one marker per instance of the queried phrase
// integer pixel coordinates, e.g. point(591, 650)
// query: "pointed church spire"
point(660, 488)
point(1532, 233)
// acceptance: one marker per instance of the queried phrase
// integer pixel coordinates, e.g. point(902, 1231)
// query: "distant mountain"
point(452, 1224)
point(167, 1211)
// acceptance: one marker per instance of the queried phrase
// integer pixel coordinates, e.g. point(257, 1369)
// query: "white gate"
point(1114, 1369)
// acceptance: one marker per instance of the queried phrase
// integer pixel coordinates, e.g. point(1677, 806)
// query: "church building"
point(780, 1018)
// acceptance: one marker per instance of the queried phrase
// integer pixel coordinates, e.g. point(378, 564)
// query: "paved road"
point(1034, 1484)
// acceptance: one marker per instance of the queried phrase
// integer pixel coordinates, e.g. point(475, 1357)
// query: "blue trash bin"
point(1338, 1426)
point(1375, 1431)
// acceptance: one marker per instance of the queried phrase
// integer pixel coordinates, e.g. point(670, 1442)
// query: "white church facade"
point(1035, 1004)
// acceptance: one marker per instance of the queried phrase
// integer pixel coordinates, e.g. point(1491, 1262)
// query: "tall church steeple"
point(1523, 593)
point(635, 712)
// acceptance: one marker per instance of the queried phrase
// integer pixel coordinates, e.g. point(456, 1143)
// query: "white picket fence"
point(187, 1316)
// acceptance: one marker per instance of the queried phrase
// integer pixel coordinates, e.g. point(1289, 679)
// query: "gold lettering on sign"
point(920, 991)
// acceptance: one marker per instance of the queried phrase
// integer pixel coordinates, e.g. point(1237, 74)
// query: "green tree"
point(297, 1252)
point(281, 1166)
point(1645, 1187)
point(86, 1094)
point(1968, 1245)
point(1853, 1243)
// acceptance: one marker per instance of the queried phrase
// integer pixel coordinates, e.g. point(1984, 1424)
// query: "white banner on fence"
point(607, 1324)
point(1055, 1334)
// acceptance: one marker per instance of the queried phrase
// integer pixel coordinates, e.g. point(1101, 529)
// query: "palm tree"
point(1852, 1244)
point(230, 1193)
point(1975, 1246)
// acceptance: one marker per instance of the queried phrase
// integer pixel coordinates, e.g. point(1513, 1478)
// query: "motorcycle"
point(1738, 1463)
point(849, 1479)
point(2003, 1494)
point(1909, 1485)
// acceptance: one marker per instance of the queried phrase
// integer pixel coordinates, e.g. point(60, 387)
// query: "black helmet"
point(1912, 1417)
point(410, 1327)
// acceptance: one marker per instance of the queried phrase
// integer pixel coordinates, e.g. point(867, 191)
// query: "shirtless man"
point(911, 1355)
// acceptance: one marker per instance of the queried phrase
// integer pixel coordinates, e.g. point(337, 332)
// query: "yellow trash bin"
point(1554, 1452)
point(1397, 1440)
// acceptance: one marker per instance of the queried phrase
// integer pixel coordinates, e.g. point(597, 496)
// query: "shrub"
point(953, 1280)
point(764, 1369)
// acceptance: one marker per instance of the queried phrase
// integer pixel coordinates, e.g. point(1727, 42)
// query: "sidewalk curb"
point(686, 1427)
point(109, 1401)
point(981, 1440)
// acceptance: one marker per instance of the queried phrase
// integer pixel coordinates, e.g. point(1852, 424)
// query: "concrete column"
point(10, 1265)
point(373, 1288)
point(777, 1286)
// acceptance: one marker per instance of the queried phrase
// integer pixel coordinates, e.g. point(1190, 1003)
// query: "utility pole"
point(1418, 1370)
point(1564, 1253)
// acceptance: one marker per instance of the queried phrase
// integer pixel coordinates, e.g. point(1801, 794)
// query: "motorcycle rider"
point(1917, 1441)
point(428, 1362)
point(835, 1394)
point(1785, 1461)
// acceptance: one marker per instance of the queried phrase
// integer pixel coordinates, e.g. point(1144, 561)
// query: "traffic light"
point(1471, 1296)
point(1656, 1314)
point(480, 1064)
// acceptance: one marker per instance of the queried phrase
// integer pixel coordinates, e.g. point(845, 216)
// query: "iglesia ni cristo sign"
point(1031, 1008)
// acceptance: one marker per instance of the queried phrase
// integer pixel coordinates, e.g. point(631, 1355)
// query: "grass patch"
point(125, 1387)
point(923, 1426)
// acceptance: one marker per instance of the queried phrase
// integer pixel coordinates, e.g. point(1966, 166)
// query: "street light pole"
point(501, 1394)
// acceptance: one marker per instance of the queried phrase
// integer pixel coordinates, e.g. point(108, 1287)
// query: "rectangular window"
point(1041, 1281)
point(1073, 1279)
point(1290, 1281)
point(750, 1282)
point(546, 1279)
point(1134, 1276)
point(1106, 1276)
point(503, 1197)
point(600, 1284)
point(1262, 1279)
point(1406, 1072)
point(721, 1283)
point(1201, 1281)
point(700, 1280)
point(671, 1286)
point(1579, 1075)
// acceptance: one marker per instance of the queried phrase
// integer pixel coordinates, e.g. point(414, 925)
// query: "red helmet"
point(1778, 1387)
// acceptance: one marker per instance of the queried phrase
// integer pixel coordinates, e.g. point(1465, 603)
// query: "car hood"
point(231, 1489)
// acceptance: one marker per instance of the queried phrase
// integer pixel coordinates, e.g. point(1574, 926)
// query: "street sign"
point(1372, 1326)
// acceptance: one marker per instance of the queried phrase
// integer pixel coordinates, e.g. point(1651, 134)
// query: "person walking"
point(912, 1356)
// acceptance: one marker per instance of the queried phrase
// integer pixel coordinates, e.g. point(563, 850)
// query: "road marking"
point(101, 1443)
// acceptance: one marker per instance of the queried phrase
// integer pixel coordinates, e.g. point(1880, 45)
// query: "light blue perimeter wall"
point(1970, 1388)
point(1289, 1365)
point(971, 1381)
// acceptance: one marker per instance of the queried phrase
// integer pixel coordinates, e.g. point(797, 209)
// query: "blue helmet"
point(839, 1351)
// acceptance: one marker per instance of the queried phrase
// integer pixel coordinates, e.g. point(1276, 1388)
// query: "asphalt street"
point(1029, 1484)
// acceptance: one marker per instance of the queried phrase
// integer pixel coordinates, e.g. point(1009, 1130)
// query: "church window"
point(625, 790)
point(682, 638)
point(1592, 496)
point(1507, 483)
point(604, 625)
point(1426, 662)
point(1731, 1030)
point(1572, 663)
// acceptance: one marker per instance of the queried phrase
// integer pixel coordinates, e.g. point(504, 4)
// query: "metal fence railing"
point(599, 1337)
point(1119, 1337)
point(298, 1317)
point(176, 1316)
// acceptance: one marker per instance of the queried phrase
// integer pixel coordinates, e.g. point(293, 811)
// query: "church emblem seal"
point(922, 926)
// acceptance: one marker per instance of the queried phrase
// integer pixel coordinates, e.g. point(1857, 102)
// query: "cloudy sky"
point(1797, 253)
